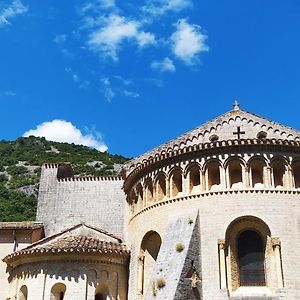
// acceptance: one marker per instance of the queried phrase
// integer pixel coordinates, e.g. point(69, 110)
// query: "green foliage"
point(16, 170)
point(19, 181)
point(15, 206)
point(190, 221)
point(3, 178)
point(33, 152)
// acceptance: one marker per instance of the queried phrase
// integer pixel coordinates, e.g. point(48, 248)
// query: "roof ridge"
point(48, 238)
point(200, 133)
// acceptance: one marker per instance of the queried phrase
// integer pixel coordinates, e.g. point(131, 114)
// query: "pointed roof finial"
point(236, 105)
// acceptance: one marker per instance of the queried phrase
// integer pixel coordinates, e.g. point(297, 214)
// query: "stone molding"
point(91, 178)
point(201, 134)
point(205, 194)
point(135, 168)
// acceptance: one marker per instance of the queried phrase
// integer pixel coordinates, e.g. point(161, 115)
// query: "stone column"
point(202, 180)
point(155, 191)
point(276, 247)
point(144, 197)
point(245, 177)
point(221, 247)
point(186, 185)
point(167, 187)
point(141, 260)
point(250, 177)
point(289, 178)
point(171, 186)
point(268, 180)
point(206, 184)
point(224, 178)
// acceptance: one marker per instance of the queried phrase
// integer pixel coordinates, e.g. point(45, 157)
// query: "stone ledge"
point(253, 293)
point(214, 193)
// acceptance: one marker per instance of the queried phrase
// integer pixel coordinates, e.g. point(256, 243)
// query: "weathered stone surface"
point(178, 260)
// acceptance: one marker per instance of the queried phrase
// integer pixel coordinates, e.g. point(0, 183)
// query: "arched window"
point(235, 174)
point(102, 292)
point(296, 174)
point(176, 182)
point(278, 167)
point(149, 192)
point(194, 174)
point(132, 196)
point(148, 254)
point(23, 293)
point(247, 260)
point(251, 256)
point(139, 191)
point(160, 187)
point(257, 173)
point(213, 175)
point(58, 292)
point(132, 200)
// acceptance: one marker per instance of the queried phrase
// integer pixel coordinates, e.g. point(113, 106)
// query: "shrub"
point(190, 221)
point(179, 247)
point(3, 178)
point(160, 283)
point(16, 170)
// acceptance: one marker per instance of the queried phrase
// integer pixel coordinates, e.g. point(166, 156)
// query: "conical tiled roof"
point(78, 239)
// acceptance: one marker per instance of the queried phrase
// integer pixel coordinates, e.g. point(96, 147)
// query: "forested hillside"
point(20, 167)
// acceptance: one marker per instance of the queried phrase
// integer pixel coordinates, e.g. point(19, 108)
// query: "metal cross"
point(239, 132)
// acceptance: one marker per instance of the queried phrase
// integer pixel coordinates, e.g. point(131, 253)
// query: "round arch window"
point(214, 138)
point(262, 135)
point(251, 256)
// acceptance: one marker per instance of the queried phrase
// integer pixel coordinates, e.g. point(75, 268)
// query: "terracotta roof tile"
point(71, 244)
point(20, 225)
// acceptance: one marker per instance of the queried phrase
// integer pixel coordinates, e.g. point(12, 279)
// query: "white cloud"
point(131, 94)
point(166, 65)
point(67, 53)
point(60, 39)
point(160, 7)
point(97, 5)
point(108, 91)
point(124, 81)
point(116, 29)
point(82, 84)
point(188, 41)
point(64, 131)
point(14, 9)
point(145, 38)
point(8, 94)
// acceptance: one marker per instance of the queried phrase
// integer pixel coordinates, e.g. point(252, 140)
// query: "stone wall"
point(80, 280)
point(10, 241)
point(96, 201)
point(278, 209)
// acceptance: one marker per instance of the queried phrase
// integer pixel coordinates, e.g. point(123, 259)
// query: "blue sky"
point(130, 75)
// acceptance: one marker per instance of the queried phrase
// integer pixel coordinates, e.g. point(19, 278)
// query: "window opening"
point(251, 259)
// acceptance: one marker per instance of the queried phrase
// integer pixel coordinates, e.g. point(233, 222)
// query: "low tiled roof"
point(72, 244)
point(20, 225)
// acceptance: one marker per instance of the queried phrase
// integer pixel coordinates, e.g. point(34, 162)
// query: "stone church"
point(211, 215)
